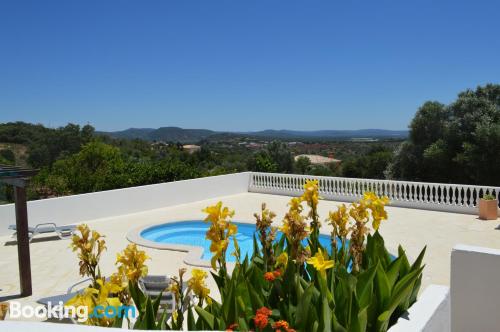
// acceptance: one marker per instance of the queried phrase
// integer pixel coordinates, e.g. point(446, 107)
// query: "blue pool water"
point(192, 233)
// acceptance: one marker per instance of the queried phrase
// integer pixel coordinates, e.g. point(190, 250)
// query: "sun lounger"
point(63, 232)
point(72, 291)
point(153, 285)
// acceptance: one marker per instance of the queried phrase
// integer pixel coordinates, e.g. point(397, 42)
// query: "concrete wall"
point(79, 208)
point(431, 312)
point(475, 289)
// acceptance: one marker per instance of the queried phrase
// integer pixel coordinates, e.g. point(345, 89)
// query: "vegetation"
point(457, 143)
point(489, 197)
point(289, 283)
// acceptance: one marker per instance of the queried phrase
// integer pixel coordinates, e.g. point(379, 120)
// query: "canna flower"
point(282, 260)
point(340, 221)
point(89, 244)
point(131, 263)
point(232, 327)
point(99, 298)
point(320, 262)
point(311, 197)
point(174, 288)
point(282, 325)
point(219, 232)
point(377, 206)
point(198, 286)
point(269, 276)
point(266, 233)
point(311, 193)
point(261, 318)
point(295, 229)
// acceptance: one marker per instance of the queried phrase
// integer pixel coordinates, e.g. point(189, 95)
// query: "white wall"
point(475, 289)
point(431, 312)
point(79, 208)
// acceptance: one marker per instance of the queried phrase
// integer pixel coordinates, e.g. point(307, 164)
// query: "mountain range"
point(176, 134)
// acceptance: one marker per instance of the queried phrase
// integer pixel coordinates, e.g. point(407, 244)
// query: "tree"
point(372, 165)
point(457, 143)
point(302, 164)
point(262, 162)
point(281, 155)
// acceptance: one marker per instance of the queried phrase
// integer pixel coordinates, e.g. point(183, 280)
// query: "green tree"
point(302, 164)
point(281, 155)
point(457, 143)
point(262, 162)
point(372, 165)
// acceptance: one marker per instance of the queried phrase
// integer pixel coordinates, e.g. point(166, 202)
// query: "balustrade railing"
point(420, 195)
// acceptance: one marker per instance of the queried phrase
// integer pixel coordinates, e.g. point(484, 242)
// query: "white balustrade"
point(419, 195)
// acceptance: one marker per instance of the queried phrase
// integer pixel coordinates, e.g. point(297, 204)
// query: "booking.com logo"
point(60, 311)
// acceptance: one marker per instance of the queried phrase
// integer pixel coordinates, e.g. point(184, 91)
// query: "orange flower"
point(231, 327)
point(264, 311)
point(261, 318)
point(269, 276)
point(277, 273)
point(282, 325)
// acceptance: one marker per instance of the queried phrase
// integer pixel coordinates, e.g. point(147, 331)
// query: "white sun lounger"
point(64, 232)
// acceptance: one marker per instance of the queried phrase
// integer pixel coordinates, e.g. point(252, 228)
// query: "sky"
point(241, 65)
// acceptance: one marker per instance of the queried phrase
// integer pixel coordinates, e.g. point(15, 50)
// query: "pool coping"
point(194, 253)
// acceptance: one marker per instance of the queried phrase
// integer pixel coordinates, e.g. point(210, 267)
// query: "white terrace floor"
point(55, 267)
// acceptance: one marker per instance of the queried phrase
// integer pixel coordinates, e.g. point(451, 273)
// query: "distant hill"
point(359, 133)
point(167, 134)
point(176, 134)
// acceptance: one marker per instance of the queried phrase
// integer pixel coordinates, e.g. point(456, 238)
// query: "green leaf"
point(393, 271)
point(303, 307)
point(207, 317)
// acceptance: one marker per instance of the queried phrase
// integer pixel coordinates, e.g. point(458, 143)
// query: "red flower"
point(277, 273)
point(261, 321)
point(282, 325)
point(264, 311)
point(269, 276)
point(231, 327)
point(261, 318)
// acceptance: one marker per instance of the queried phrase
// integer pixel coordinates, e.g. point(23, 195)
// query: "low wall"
point(459, 198)
point(475, 289)
point(79, 208)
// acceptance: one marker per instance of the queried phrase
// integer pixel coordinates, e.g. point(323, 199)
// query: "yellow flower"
point(103, 296)
point(320, 262)
point(359, 212)
point(198, 286)
point(295, 204)
point(219, 232)
point(377, 207)
point(174, 288)
point(282, 260)
point(216, 213)
point(89, 245)
point(339, 220)
point(131, 262)
point(311, 193)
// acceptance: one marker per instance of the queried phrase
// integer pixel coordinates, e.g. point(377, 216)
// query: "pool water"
point(193, 232)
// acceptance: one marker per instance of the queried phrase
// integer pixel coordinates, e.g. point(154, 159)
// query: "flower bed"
point(354, 285)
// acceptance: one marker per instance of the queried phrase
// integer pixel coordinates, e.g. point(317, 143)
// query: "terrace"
point(437, 215)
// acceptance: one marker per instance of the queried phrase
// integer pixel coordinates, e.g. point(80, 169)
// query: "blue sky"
point(241, 65)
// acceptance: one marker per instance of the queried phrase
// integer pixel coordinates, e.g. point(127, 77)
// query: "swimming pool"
point(192, 233)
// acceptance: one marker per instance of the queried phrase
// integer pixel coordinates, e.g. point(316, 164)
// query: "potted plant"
point(488, 207)
point(4, 308)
